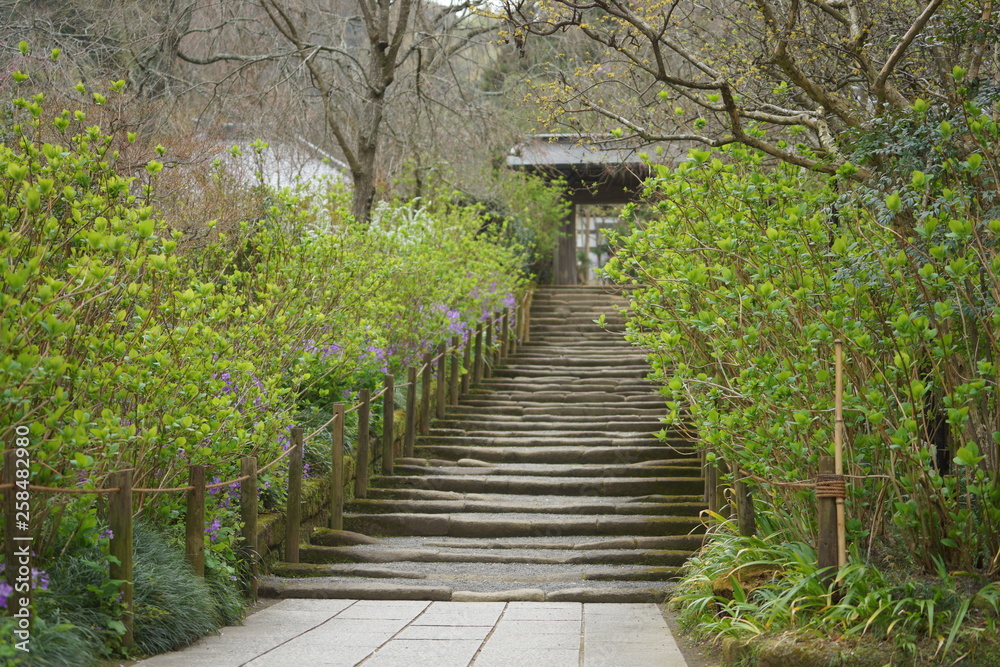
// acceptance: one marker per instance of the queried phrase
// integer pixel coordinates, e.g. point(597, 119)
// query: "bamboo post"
point(440, 402)
point(194, 534)
point(293, 508)
point(388, 408)
point(828, 548)
point(838, 450)
point(248, 515)
point(477, 374)
point(425, 396)
point(337, 472)
point(488, 349)
point(409, 434)
point(467, 365)
point(120, 548)
point(364, 416)
point(455, 361)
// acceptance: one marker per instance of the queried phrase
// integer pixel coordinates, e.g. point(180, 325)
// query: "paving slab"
point(402, 633)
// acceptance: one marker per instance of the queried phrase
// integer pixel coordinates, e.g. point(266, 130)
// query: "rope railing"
point(178, 489)
point(120, 507)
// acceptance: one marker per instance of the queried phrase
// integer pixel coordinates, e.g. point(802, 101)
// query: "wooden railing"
point(472, 361)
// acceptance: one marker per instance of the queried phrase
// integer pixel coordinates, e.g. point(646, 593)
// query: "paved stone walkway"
point(399, 633)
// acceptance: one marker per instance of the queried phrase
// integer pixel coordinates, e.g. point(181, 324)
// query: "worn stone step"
point(541, 470)
point(437, 494)
point(531, 439)
point(572, 454)
point(551, 381)
point(473, 525)
point(474, 572)
point(528, 399)
point(320, 555)
point(456, 426)
point(641, 543)
point(372, 506)
point(374, 589)
point(625, 486)
point(480, 407)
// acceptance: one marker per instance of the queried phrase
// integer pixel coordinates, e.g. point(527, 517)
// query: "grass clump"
point(761, 587)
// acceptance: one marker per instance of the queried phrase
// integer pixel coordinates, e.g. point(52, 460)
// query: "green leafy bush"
point(123, 345)
point(747, 273)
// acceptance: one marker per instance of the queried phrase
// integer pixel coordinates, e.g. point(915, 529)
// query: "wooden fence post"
point(828, 548)
point(388, 408)
point(425, 396)
point(488, 349)
point(120, 523)
point(711, 486)
point(467, 365)
point(361, 473)
point(745, 519)
point(293, 508)
point(721, 470)
point(248, 515)
point(455, 361)
point(477, 375)
point(337, 472)
point(505, 333)
point(194, 538)
point(442, 360)
point(409, 434)
point(526, 321)
point(10, 523)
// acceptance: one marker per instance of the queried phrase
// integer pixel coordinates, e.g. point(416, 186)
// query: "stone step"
point(528, 399)
point(470, 572)
point(546, 482)
point(551, 380)
point(572, 454)
point(321, 555)
point(545, 361)
point(372, 506)
point(515, 525)
point(374, 589)
point(566, 427)
point(472, 467)
point(546, 486)
point(435, 494)
point(531, 439)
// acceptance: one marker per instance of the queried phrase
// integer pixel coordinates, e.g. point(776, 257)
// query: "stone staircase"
point(546, 482)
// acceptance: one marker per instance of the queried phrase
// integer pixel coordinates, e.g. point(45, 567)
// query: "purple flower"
point(5, 591)
point(108, 534)
point(213, 530)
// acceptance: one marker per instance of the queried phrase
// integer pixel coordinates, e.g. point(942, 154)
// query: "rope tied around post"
point(831, 486)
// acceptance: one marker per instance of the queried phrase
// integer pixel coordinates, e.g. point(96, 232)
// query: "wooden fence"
point(475, 358)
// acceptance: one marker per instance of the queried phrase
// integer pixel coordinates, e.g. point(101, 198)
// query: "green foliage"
point(123, 344)
point(750, 271)
point(739, 587)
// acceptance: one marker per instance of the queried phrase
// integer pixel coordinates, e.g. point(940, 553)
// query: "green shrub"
point(122, 345)
point(747, 272)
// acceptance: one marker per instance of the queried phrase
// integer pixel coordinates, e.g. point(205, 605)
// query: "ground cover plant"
point(124, 345)
point(747, 272)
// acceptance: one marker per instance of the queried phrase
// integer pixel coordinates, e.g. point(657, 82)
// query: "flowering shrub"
point(123, 347)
